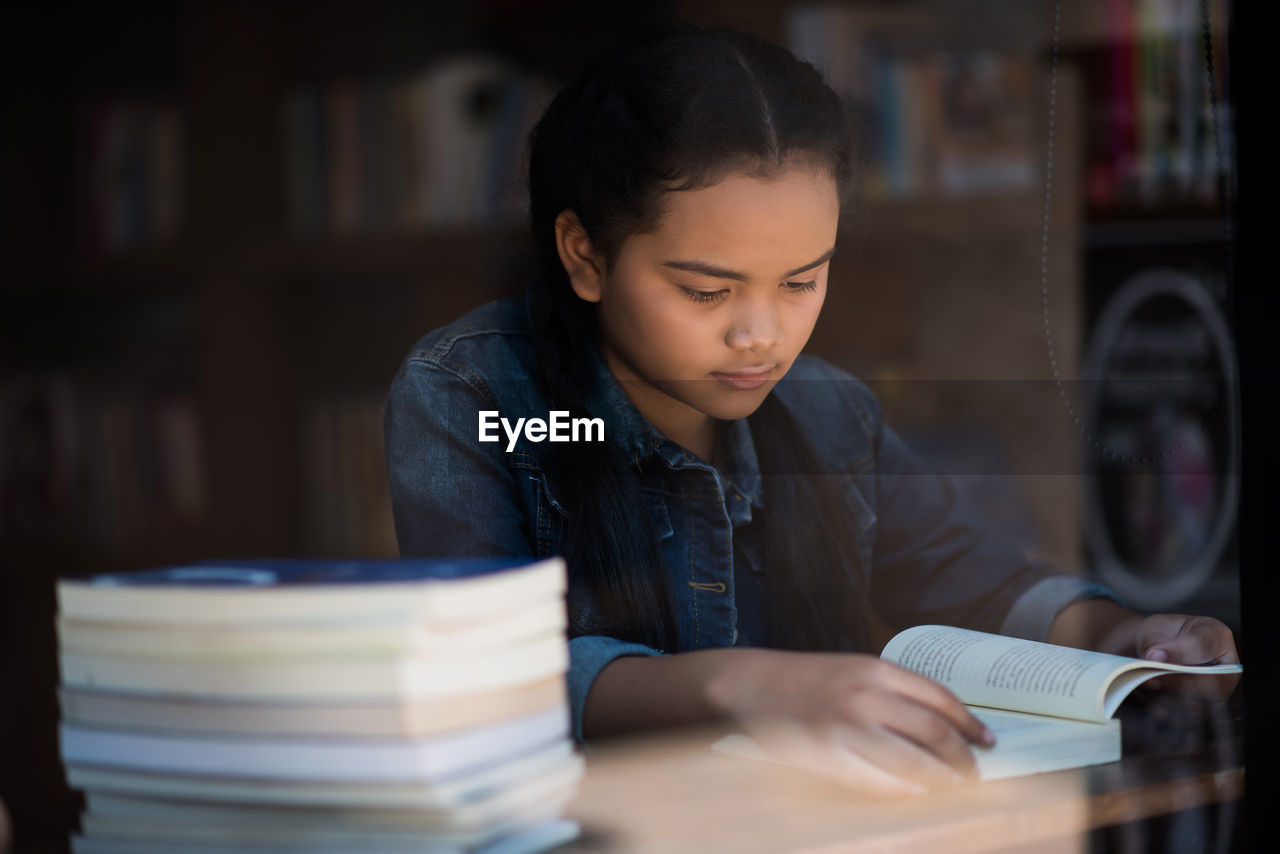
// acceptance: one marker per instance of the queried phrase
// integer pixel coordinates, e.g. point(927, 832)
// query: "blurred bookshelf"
point(1150, 150)
point(1157, 302)
point(245, 176)
point(223, 225)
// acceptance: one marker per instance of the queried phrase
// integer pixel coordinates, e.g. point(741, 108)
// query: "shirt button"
point(737, 496)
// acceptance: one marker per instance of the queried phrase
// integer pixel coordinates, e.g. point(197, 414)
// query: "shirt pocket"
point(549, 517)
point(659, 518)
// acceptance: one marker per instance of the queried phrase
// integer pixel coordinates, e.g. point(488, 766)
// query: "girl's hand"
point(865, 721)
point(1104, 626)
point(1183, 639)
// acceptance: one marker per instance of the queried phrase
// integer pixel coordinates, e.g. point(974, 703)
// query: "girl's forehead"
point(743, 209)
point(793, 186)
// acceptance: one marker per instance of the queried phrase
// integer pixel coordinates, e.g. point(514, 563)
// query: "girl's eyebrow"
point(705, 269)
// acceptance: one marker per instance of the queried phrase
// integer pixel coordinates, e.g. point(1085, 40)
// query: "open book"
point(1049, 706)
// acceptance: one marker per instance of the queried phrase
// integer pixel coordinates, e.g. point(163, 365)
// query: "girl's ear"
point(584, 266)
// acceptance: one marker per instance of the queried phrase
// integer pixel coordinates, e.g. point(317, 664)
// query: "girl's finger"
point(932, 732)
point(929, 693)
point(898, 756)
point(1159, 629)
point(1199, 641)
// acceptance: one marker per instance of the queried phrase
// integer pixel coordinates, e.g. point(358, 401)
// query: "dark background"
point(256, 328)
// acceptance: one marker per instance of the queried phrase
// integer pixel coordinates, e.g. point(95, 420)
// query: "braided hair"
point(675, 109)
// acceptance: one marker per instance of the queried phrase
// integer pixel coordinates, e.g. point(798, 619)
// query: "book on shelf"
point(1050, 707)
point(346, 504)
point(129, 171)
point(306, 137)
point(111, 465)
point(983, 103)
point(1153, 128)
point(443, 146)
point(459, 96)
point(289, 705)
point(342, 113)
point(933, 119)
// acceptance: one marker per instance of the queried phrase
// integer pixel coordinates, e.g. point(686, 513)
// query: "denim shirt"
point(924, 555)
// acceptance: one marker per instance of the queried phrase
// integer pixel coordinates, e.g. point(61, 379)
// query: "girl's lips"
point(744, 380)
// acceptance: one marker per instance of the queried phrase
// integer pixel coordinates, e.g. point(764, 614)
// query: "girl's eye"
point(716, 296)
point(703, 296)
point(801, 286)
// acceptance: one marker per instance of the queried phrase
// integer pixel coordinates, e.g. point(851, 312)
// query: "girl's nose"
point(755, 327)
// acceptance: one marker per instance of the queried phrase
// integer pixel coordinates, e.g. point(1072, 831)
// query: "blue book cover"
point(254, 591)
point(288, 572)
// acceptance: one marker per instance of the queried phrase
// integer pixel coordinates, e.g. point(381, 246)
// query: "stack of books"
point(273, 706)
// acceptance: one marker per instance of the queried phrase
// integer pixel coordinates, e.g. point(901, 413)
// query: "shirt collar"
point(736, 460)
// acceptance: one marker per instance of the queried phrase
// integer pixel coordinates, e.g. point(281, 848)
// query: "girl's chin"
point(716, 400)
point(738, 404)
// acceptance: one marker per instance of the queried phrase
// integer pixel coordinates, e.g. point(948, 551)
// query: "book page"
point(1027, 676)
point(1031, 744)
point(1025, 744)
point(1007, 673)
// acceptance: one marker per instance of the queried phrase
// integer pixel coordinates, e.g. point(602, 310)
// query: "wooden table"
point(670, 794)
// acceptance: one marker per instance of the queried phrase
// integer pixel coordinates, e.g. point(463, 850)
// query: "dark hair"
point(677, 109)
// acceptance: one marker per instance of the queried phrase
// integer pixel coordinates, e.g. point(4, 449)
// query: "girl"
point(748, 514)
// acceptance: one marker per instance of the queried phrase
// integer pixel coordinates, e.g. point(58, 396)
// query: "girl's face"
point(701, 318)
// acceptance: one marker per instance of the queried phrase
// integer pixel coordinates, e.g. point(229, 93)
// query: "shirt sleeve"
point(453, 496)
point(588, 654)
point(937, 561)
point(1031, 615)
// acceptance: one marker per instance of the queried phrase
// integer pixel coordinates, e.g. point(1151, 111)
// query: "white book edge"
point(397, 718)
point(98, 826)
point(494, 807)
point(397, 678)
point(316, 759)
point(442, 794)
point(341, 638)
point(534, 839)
